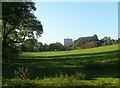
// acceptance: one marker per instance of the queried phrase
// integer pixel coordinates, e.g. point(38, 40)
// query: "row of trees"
point(93, 41)
point(31, 45)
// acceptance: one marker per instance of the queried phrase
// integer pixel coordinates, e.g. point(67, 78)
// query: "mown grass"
point(99, 65)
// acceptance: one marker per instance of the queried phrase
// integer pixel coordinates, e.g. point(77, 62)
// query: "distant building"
point(68, 42)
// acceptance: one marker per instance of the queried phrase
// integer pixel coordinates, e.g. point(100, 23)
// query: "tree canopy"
point(18, 24)
point(92, 41)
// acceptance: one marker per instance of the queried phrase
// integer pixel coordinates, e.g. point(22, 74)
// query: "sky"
point(77, 19)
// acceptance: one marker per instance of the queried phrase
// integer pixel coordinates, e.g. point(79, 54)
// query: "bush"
point(79, 76)
point(22, 73)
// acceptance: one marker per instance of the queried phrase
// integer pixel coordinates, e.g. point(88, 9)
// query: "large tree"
point(18, 24)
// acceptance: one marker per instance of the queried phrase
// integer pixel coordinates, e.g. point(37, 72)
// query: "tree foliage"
point(56, 47)
point(30, 45)
point(85, 42)
point(18, 24)
point(34, 46)
point(92, 41)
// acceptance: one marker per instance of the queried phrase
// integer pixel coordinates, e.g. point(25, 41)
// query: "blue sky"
point(77, 19)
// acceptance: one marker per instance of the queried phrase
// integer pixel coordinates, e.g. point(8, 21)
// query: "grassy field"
point(88, 68)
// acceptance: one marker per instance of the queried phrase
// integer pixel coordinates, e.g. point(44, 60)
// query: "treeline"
point(93, 41)
point(31, 45)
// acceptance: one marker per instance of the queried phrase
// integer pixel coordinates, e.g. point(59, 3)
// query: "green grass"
point(99, 65)
point(73, 52)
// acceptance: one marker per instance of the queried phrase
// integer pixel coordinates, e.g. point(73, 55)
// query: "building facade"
point(68, 42)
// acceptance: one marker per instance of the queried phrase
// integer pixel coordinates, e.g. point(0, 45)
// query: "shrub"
point(22, 73)
point(79, 76)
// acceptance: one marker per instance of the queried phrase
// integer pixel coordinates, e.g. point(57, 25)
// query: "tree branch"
point(21, 40)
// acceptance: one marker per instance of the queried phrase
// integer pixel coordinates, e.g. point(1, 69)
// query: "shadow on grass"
point(93, 65)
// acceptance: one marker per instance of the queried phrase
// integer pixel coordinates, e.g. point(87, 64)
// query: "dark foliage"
point(93, 41)
point(18, 24)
